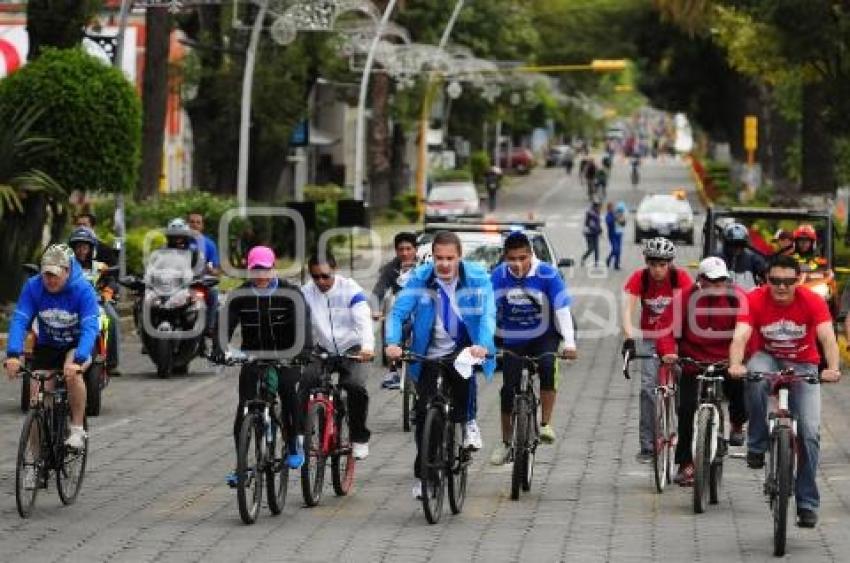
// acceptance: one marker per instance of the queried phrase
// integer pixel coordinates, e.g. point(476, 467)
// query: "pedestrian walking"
point(615, 220)
point(592, 230)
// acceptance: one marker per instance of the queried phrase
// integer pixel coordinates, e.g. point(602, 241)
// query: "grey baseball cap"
point(54, 259)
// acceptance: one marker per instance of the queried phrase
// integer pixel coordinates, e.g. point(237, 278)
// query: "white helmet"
point(659, 248)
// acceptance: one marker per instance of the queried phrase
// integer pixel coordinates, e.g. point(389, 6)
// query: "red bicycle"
point(327, 433)
point(665, 435)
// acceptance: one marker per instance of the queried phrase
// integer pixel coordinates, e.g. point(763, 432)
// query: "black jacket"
point(387, 280)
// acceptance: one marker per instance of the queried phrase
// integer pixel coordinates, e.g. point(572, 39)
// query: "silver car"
point(664, 215)
point(448, 201)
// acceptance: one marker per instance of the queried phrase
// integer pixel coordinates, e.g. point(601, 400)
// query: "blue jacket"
point(418, 299)
point(67, 319)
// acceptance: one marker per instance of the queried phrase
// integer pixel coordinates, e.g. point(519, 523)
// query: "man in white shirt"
point(342, 326)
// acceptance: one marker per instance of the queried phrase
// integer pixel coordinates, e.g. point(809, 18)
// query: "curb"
point(703, 197)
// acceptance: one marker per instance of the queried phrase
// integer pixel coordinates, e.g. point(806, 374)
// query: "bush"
point(458, 175)
point(328, 192)
point(406, 204)
point(91, 112)
point(479, 163)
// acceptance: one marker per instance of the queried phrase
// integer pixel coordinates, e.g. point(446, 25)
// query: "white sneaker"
point(77, 439)
point(29, 478)
point(360, 450)
point(472, 436)
point(417, 489)
point(500, 454)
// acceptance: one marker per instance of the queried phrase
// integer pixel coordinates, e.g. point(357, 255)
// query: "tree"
point(91, 112)
point(57, 23)
point(154, 99)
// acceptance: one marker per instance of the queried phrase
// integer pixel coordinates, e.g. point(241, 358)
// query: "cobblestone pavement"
point(154, 489)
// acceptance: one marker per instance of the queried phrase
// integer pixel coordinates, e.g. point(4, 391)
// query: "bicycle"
point(441, 451)
point(262, 443)
point(327, 434)
point(526, 428)
point(42, 448)
point(780, 469)
point(665, 434)
point(709, 445)
point(408, 398)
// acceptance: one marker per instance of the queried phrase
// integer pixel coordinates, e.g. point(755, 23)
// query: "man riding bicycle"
point(654, 288)
point(342, 325)
point(781, 329)
point(702, 321)
point(65, 305)
point(275, 319)
point(390, 279)
point(532, 318)
point(451, 303)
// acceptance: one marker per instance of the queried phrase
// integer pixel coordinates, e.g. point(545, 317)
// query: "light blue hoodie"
point(66, 319)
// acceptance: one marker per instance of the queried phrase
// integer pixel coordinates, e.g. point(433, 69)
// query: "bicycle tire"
point(25, 392)
point(25, 498)
point(71, 465)
point(520, 446)
point(342, 460)
point(659, 447)
point(313, 470)
point(249, 468)
point(783, 476)
point(432, 465)
point(672, 436)
point(702, 459)
point(93, 389)
point(528, 474)
point(277, 471)
point(407, 399)
point(458, 468)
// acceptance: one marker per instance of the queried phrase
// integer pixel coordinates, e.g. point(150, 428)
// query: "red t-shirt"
point(657, 298)
point(785, 331)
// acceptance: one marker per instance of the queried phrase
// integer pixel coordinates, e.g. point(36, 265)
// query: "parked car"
point(664, 215)
point(522, 160)
point(448, 201)
point(558, 155)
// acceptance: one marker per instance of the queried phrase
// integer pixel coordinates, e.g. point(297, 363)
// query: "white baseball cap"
point(713, 268)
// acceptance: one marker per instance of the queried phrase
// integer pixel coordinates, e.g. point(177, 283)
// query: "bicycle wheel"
point(528, 474)
point(342, 460)
point(277, 471)
point(520, 446)
point(781, 469)
point(25, 392)
point(407, 399)
point(93, 389)
point(432, 465)
point(660, 453)
point(458, 458)
point(249, 468)
point(313, 470)
point(71, 465)
point(702, 459)
point(30, 465)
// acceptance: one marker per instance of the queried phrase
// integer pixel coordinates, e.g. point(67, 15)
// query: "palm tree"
point(26, 194)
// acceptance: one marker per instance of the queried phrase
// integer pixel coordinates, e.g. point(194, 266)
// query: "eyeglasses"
point(657, 263)
point(787, 282)
point(321, 276)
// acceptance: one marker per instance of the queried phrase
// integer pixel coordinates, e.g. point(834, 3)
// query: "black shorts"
point(45, 358)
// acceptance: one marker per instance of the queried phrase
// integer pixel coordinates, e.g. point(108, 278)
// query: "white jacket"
point(341, 317)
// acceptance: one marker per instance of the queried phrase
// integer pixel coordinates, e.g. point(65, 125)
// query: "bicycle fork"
point(713, 429)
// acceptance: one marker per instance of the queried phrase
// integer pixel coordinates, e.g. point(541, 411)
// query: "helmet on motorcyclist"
point(736, 234)
point(178, 234)
point(805, 232)
point(83, 242)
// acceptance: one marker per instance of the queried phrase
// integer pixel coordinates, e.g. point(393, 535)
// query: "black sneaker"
point(755, 460)
point(736, 435)
point(806, 518)
point(644, 456)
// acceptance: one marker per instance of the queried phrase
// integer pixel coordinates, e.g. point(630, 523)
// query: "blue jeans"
point(616, 241)
point(804, 402)
point(592, 248)
point(648, 382)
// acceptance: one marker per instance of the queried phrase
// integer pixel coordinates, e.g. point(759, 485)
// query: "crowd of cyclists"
point(740, 308)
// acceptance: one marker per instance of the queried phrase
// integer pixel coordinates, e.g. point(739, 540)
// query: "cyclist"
point(653, 287)
point(532, 318)
point(452, 306)
point(342, 325)
point(781, 328)
point(703, 321)
point(390, 279)
point(275, 320)
point(84, 243)
point(65, 305)
point(784, 242)
point(746, 266)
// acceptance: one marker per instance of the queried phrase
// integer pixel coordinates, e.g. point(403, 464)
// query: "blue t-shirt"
point(210, 251)
point(525, 307)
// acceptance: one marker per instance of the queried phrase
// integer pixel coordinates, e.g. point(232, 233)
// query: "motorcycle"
point(96, 376)
point(168, 306)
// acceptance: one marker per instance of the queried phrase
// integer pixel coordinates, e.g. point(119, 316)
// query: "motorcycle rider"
point(84, 243)
point(805, 243)
point(391, 279)
point(746, 266)
point(784, 242)
point(104, 252)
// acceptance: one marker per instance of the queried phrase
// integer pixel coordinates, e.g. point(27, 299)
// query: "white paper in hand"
point(465, 362)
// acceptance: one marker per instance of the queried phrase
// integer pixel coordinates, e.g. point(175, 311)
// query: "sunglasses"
point(321, 276)
point(787, 282)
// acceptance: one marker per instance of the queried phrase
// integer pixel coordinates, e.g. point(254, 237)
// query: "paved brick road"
point(154, 490)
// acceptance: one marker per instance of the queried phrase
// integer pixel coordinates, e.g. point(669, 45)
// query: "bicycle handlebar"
point(410, 356)
point(503, 352)
point(242, 359)
point(754, 376)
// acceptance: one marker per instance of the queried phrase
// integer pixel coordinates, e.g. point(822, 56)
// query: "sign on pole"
point(751, 125)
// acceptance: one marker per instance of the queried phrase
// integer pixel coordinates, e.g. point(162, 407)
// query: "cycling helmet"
point(659, 248)
point(805, 231)
point(736, 233)
point(82, 234)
